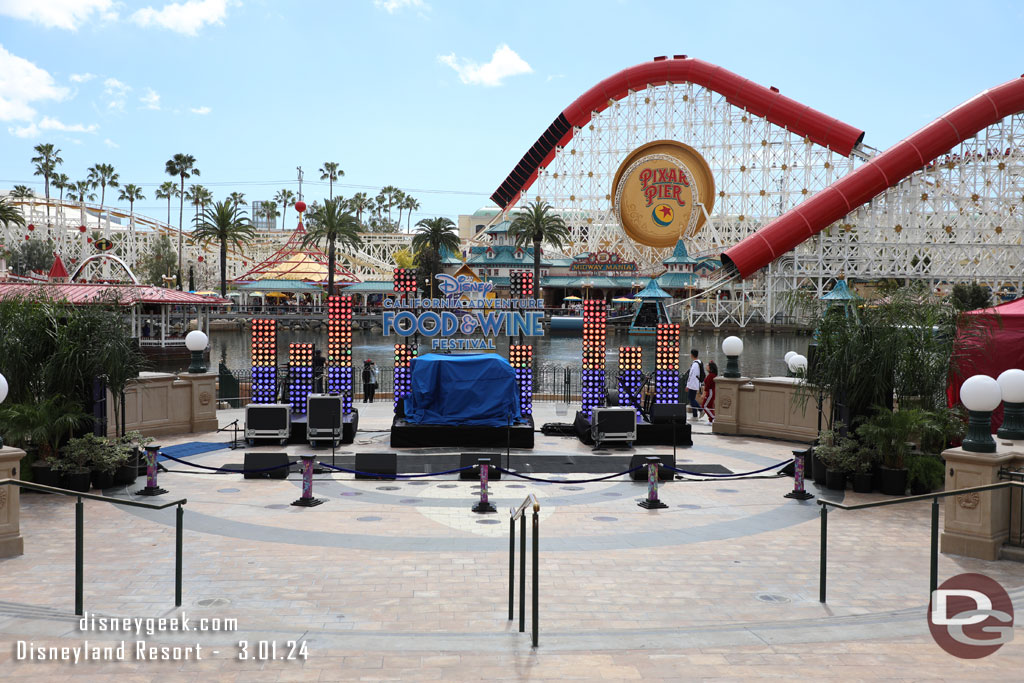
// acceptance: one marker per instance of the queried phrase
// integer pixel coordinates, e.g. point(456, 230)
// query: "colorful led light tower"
point(595, 330)
point(300, 375)
point(405, 281)
point(631, 376)
point(521, 284)
point(520, 357)
point(339, 349)
point(666, 356)
point(404, 353)
point(264, 361)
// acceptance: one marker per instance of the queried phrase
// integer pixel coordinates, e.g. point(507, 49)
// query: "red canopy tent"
point(1002, 348)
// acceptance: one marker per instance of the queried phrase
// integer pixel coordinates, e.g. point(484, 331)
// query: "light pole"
point(196, 342)
point(981, 395)
point(732, 347)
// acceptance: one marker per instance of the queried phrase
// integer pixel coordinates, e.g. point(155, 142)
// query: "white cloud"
point(504, 63)
point(54, 124)
point(29, 131)
point(66, 14)
point(202, 111)
point(21, 83)
point(187, 17)
point(554, 76)
point(112, 86)
point(151, 99)
point(110, 143)
point(392, 6)
point(82, 78)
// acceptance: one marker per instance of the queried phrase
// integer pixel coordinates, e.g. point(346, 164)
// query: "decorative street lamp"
point(789, 354)
point(1011, 385)
point(196, 342)
point(3, 397)
point(981, 395)
point(732, 347)
point(797, 364)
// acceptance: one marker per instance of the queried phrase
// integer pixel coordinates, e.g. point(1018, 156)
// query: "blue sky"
point(438, 98)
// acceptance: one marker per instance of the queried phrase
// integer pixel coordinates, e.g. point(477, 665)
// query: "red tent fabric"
point(1002, 350)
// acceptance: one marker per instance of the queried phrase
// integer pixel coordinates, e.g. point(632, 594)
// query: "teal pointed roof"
point(653, 291)
point(680, 255)
point(841, 292)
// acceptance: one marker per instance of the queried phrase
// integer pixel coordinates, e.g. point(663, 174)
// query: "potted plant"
point(889, 432)
point(131, 445)
point(75, 460)
point(825, 445)
point(836, 458)
point(107, 458)
point(43, 427)
point(863, 471)
point(926, 473)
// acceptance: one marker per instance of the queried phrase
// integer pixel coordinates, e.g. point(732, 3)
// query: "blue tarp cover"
point(473, 389)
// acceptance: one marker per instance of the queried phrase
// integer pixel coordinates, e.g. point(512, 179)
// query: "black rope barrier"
point(567, 481)
point(728, 476)
point(378, 475)
point(222, 469)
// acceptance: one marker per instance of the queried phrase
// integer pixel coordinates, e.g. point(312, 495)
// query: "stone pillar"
point(977, 524)
point(727, 405)
point(204, 400)
point(11, 541)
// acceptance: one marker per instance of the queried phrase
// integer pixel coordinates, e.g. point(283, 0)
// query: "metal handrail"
point(933, 578)
point(80, 528)
point(520, 514)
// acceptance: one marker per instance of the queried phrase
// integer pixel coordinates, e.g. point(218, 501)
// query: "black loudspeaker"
point(664, 413)
point(376, 464)
point(468, 459)
point(663, 474)
point(261, 461)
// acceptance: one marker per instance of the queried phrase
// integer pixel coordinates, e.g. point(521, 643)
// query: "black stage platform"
point(349, 428)
point(405, 435)
point(647, 434)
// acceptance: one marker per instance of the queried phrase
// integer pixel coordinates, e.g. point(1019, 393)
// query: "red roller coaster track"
point(741, 92)
point(884, 171)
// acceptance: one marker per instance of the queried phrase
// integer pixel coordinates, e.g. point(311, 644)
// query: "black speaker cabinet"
point(376, 464)
point(664, 413)
point(268, 421)
point(467, 459)
point(663, 474)
point(260, 461)
point(324, 421)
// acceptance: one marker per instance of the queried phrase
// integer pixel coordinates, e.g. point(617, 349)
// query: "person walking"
point(694, 378)
point(369, 380)
point(708, 403)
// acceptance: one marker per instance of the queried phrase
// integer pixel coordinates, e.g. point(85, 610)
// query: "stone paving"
point(401, 581)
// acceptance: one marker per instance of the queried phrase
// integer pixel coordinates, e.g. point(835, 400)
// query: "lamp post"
point(981, 395)
point(3, 397)
point(732, 347)
point(1011, 385)
point(196, 342)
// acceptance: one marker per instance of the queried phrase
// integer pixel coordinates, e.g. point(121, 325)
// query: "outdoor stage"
point(647, 434)
point(406, 435)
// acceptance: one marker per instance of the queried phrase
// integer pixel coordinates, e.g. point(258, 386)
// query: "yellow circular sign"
point(658, 192)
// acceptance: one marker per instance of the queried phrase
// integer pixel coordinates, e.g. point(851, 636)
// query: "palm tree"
point(400, 203)
point(287, 198)
point(330, 172)
point(238, 199)
point(8, 214)
point(82, 195)
point(131, 193)
point(410, 204)
point(435, 235)
point(168, 190)
point(198, 196)
point(224, 222)
point(359, 203)
point(538, 224)
point(22, 192)
point(268, 210)
point(338, 227)
point(103, 175)
point(183, 166)
point(46, 163)
point(61, 182)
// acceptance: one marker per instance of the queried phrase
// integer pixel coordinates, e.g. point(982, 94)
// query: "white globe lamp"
point(3, 397)
point(798, 364)
point(732, 347)
point(981, 395)
point(196, 342)
point(1011, 384)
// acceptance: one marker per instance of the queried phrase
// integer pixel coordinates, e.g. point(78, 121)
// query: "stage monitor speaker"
point(261, 461)
point(664, 413)
point(324, 420)
point(663, 474)
point(613, 425)
point(468, 459)
point(268, 421)
point(376, 464)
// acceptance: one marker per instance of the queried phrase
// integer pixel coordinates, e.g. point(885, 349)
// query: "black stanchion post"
point(511, 567)
point(799, 468)
point(484, 505)
point(536, 564)
point(79, 555)
point(651, 502)
point(307, 500)
point(522, 573)
point(177, 555)
point(823, 553)
point(152, 489)
point(933, 573)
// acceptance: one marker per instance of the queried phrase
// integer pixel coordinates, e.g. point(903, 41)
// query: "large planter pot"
point(125, 474)
point(42, 474)
point(818, 471)
point(835, 480)
point(102, 480)
point(76, 481)
point(893, 482)
point(863, 482)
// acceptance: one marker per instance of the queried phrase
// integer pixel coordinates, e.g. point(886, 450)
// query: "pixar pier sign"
point(464, 309)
